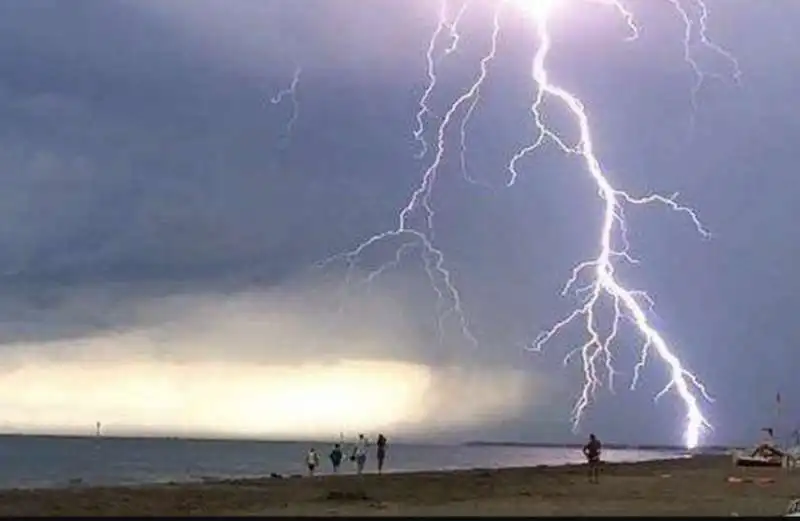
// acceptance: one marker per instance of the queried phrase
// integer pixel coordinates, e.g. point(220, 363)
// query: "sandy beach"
point(695, 486)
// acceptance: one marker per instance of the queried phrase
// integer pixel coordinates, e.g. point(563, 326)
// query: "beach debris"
point(348, 495)
point(756, 481)
point(275, 475)
point(666, 476)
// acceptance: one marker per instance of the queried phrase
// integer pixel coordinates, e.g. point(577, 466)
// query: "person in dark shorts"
point(592, 452)
point(336, 457)
point(312, 461)
point(381, 452)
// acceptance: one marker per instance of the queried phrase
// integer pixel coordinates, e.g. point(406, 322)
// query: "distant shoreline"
point(473, 443)
point(612, 446)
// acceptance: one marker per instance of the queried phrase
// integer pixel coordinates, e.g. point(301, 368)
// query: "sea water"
point(52, 461)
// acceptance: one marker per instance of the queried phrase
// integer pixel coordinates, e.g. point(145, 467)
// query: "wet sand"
point(696, 486)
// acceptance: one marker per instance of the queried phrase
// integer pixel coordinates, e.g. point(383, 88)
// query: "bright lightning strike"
point(604, 282)
point(290, 92)
point(613, 247)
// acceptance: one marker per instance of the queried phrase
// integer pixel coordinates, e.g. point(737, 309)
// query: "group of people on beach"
point(358, 455)
point(360, 451)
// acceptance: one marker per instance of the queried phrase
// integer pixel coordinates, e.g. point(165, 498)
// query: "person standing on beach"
point(592, 452)
point(312, 461)
point(360, 453)
point(336, 457)
point(381, 452)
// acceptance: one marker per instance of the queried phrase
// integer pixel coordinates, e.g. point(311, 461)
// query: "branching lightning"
point(604, 282)
point(290, 92)
point(613, 248)
point(699, 36)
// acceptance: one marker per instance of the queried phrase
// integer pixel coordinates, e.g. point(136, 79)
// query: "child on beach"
point(592, 452)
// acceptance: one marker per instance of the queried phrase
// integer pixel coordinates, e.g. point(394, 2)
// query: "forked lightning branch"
point(611, 248)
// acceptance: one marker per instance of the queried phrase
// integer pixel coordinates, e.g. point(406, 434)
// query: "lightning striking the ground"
point(604, 282)
point(290, 92)
point(603, 286)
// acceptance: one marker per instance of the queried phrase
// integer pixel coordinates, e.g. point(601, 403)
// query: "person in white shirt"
point(360, 453)
point(312, 461)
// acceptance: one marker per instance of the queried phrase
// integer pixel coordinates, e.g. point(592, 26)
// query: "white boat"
point(745, 460)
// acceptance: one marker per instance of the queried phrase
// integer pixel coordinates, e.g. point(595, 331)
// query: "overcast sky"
point(146, 175)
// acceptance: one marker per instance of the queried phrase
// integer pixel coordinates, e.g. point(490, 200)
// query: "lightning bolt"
point(626, 303)
point(290, 92)
point(451, 26)
point(602, 268)
point(448, 296)
point(613, 248)
point(696, 33)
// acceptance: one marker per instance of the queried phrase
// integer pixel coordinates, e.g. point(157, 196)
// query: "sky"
point(161, 219)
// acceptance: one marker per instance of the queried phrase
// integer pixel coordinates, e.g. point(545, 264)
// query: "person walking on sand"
point(592, 452)
point(336, 457)
point(381, 444)
point(312, 461)
point(360, 453)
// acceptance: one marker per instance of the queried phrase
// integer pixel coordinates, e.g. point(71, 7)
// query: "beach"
point(690, 486)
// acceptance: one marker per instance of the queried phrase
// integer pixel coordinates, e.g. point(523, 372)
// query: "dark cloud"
point(141, 160)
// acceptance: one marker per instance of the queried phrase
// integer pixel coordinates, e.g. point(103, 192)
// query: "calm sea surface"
point(34, 461)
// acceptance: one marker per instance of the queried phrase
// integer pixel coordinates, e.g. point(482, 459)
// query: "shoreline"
point(80, 483)
point(686, 486)
point(410, 442)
